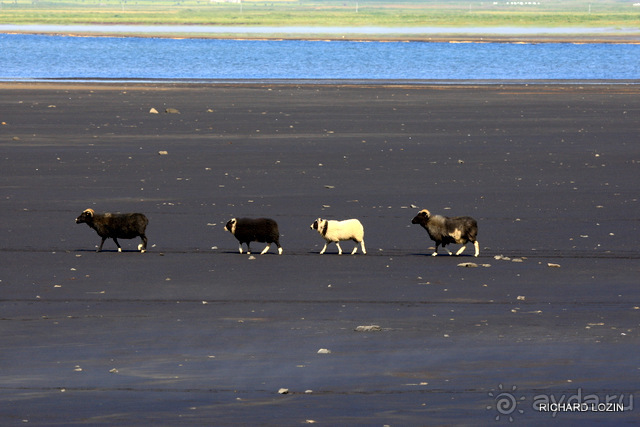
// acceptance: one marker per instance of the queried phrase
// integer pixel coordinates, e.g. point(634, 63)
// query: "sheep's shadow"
point(443, 255)
point(236, 252)
point(107, 250)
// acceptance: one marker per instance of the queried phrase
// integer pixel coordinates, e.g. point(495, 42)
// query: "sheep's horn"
point(91, 211)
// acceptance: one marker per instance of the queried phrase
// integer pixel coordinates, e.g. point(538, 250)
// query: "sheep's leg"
point(101, 243)
point(240, 248)
point(477, 246)
point(324, 249)
point(461, 249)
point(355, 249)
point(363, 249)
point(277, 242)
point(117, 244)
point(435, 251)
point(142, 247)
point(264, 251)
point(248, 248)
point(339, 248)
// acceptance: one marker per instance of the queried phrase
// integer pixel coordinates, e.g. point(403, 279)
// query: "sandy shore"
point(409, 34)
point(429, 38)
point(193, 333)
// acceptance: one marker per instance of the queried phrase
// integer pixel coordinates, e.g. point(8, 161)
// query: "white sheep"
point(337, 231)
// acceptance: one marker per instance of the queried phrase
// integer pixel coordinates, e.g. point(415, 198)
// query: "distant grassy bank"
point(568, 13)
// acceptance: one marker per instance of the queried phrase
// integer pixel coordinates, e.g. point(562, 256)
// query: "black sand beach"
point(193, 333)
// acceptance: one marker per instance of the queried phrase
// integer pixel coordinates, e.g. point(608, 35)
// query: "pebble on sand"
point(368, 328)
point(468, 264)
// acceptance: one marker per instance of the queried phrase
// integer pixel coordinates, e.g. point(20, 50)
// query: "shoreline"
point(514, 35)
point(388, 39)
point(111, 84)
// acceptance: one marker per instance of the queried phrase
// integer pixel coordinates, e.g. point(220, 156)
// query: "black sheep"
point(116, 226)
point(444, 230)
point(247, 230)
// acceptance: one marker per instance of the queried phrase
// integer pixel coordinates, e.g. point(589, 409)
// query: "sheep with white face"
point(338, 231)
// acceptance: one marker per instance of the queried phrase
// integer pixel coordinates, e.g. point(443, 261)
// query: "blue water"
point(132, 58)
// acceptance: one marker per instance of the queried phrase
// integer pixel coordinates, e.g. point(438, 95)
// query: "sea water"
point(42, 57)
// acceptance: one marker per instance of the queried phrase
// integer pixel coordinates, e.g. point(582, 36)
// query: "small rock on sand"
point(368, 328)
point(468, 264)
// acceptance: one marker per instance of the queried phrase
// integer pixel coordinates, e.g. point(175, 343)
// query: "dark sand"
point(193, 333)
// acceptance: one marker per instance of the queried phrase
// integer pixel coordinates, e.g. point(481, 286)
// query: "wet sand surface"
point(194, 333)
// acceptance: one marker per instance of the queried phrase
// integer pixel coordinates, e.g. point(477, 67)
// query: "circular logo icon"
point(505, 402)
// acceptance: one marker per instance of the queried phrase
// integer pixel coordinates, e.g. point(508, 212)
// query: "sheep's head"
point(320, 225)
point(316, 224)
point(422, 217)
point(231, 226)
point(86, 216)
